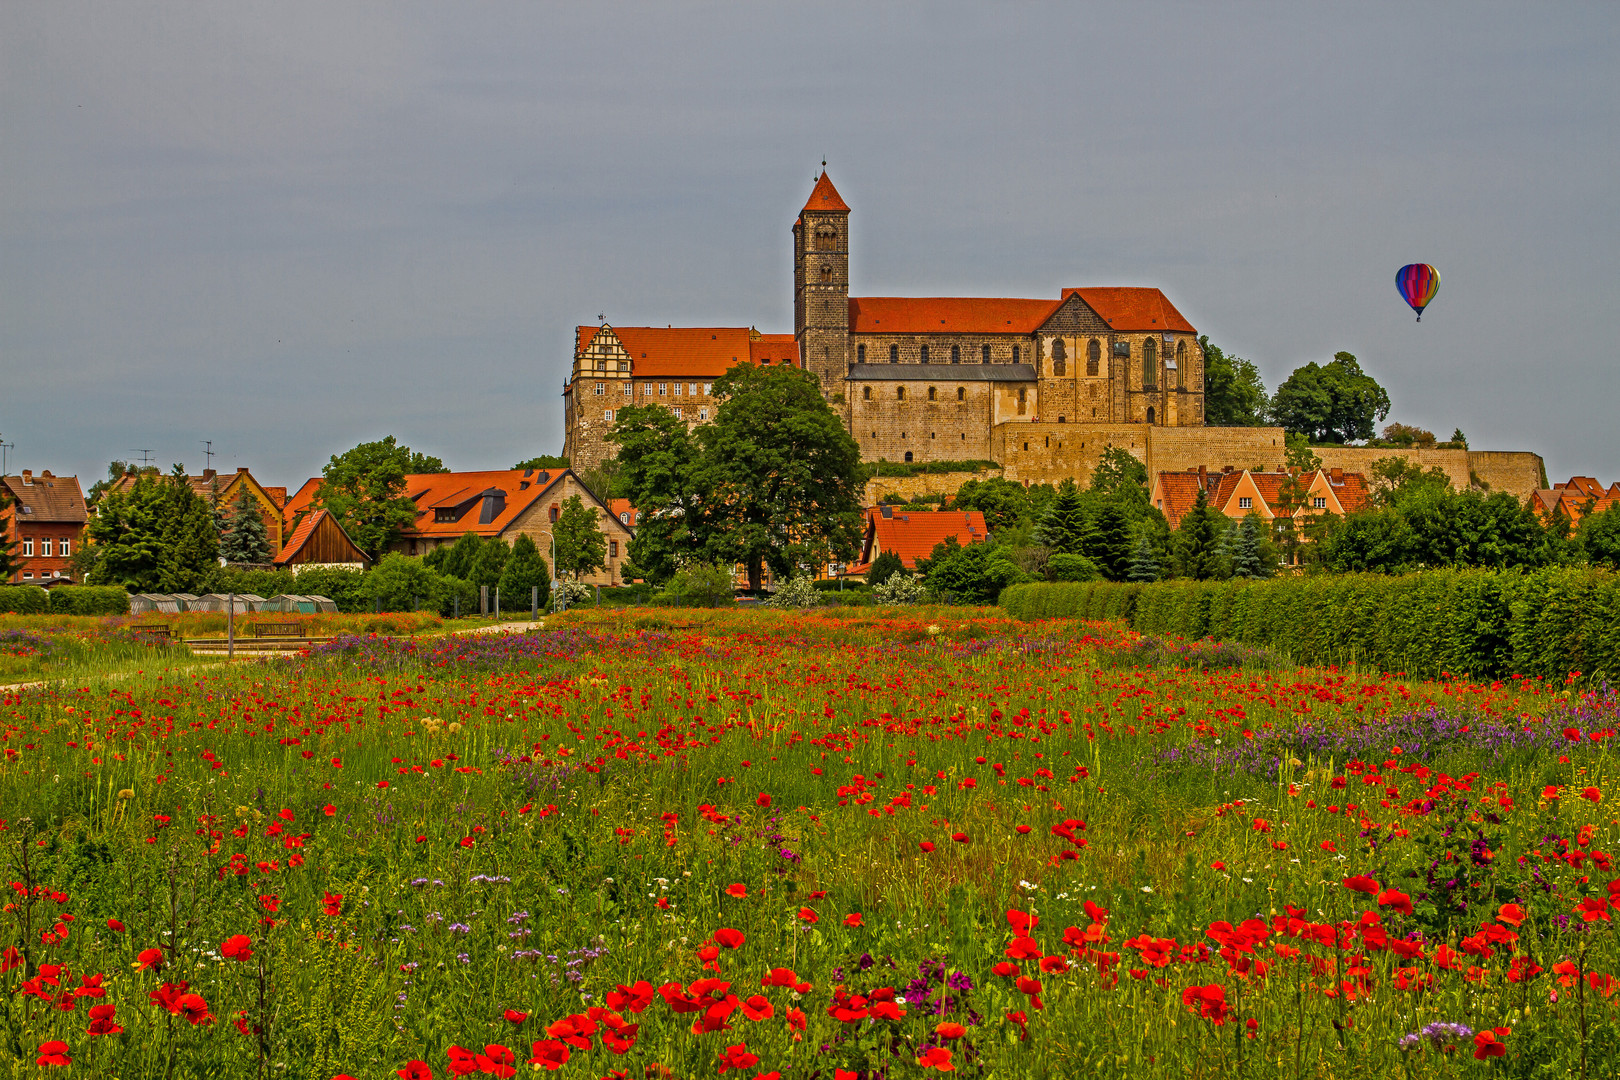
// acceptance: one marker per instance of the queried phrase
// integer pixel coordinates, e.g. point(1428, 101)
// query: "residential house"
point(913, 534)
point(319, 541)
point(1577, 497)
point(1274, 496)
point(46, 518)
point(222, 489)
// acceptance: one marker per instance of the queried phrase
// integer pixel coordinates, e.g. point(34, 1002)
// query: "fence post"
point(534, 603)
point(455, 606)
point(497, 605)
point(230, 626)
point(483, 599)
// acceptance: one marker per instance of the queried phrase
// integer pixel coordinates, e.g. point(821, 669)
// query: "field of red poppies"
point(761, 844)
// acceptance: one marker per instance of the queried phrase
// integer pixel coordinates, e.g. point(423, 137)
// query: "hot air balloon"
point(1417, 283)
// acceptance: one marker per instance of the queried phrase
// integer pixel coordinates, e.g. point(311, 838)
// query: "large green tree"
point(245, 539)
point(1234, 395)
point(1006, 504)
point(581, 544)
point(543, 461)
point(656, 463)
point(525, 571)
point(1197, 543)
point(364, 489)
point(1066, 525)
point(1599, 537)
point(1332, 403)
point(158, 536)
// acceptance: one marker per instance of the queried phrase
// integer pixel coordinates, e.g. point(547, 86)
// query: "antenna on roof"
point(4, 446)
point(601, 317)
point(146, 457)
point(208, 452)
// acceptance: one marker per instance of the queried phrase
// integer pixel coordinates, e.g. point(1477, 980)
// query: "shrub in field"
point(24, 599)
point(798, 592)
point(89, 600)
point(899, 589)
point(699, 585)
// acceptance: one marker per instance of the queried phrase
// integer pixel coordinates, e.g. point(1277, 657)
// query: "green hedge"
point(1480, 622)
point(89, 600)
point(23, 600)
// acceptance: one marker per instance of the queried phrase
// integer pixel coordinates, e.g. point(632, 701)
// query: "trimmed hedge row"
point(1479, 622)
point(89, 600)
point(23, 600)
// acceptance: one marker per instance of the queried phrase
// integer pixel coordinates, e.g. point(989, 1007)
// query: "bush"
point(1484, 623)
point(1066, 567)
point(24, 600)
point(899, 589)
point(699, 585)
point(89, 600)
point(796, 592)
point(884, 567)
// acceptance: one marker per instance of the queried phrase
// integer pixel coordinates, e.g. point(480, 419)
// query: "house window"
point(860, 354)
point(1016, 354)
point(961, 393)
point(663, 389)
point(607, 415)
point(629, 389)
point(646, 389)
point(45, 547)
point(894, 354)
point(1093, 356)
point(984, 352)
point(923, 353)
point(1245, 503)
point(1319, 503)
point(956, 354)
point(28, 575)
point(601, 388)
point(613, 547)
point(1060, 357)
point(677, 412)
point(65, 548)
point(866, 393)
point(680, 386)
point(1150, 366)
point(692, 389)
point(900, 393)
point(706, 387)
point(703, 414)
point(28, 549)
point(553, 515)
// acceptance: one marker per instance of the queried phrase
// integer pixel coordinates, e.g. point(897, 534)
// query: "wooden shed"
point(320, 541)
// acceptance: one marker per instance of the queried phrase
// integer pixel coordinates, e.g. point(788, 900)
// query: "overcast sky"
point(291, 227)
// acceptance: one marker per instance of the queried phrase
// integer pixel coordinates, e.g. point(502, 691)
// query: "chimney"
point(47, 475)
point(1337, 475)
point(242, 470)
point(1226, 468)
point(28, 477)
point(209, 474)
point(1203, 477)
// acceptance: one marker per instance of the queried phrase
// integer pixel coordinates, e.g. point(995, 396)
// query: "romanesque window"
point(1015, 354)
point(923, 354)
point(1093, 356)
point(866, 393)
point(860, 354)
point(961, 393)
point(931, 394)
point(1150, 414)
point(1150, 366)
point(984, 351)
point(908, 455)
point(1060, 357)
point(826, 273)
point(894, 354)
point(956, 354)
point(900, 393)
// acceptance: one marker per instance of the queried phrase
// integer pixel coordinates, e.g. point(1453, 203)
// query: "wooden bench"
point(273, 629)
point(156, 631)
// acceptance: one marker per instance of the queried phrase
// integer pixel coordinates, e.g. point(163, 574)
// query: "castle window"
point(860, 354)
point(607, 414)
point(1060, 357)
point(894, 354)
point(663, 389)
point(866, 393)
point(1015, 354)
point(984, 351)
point(961, 393)
point(1150, 366)
point(932, 395)
point(1060, 418)
point(900, 393)
point(629, 389)
point(1181, 365)
point(908, 455)
point(599, 389)
point(1150, 414)
point(931, 435)
point(924, 354)
point(956, 354)
point(826, 273)
point(1093, 356)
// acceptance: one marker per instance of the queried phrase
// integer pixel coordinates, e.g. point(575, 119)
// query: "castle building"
point(916, 379)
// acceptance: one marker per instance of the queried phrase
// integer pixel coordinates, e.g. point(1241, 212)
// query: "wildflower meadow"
point(870, 843)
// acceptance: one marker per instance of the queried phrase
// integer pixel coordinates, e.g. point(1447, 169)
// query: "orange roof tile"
point(774, 349)
point(1134, 309)
point(301, 499)
point(689, 352)
point(825, 196)
point(1175, 494)
point(913, 534)
point(621, 509)
point(432, 492)
point(46, 498)
point(947, 315)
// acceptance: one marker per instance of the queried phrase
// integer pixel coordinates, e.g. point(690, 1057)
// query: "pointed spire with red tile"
point(825, 196)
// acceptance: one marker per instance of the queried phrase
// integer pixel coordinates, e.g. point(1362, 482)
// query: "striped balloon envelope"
point(1417, 283)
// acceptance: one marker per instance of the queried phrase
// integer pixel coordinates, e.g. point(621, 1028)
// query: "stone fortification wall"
point(1042, 453)
point(1518, 471)
point(1177, 449)
point(910, 487)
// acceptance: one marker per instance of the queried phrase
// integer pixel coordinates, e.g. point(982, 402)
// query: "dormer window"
point(1245, 502)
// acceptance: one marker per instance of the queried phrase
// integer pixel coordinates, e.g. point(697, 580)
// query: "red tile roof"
point(1175, 494)
point(946, 315)
point(1134, 309)
point(693, 352)
point(301, 499)
point(825, 196)
point(46, 498)
point(518, 489)
point(620, 508)
point(913, 534)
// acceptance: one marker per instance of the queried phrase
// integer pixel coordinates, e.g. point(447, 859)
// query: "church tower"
point(821, 286)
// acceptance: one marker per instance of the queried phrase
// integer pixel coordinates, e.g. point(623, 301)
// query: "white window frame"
point(45, 547)
point(663, 389)
point(28, 547)
point(607, 415)
point(629, 389)
point(1245, 503)
point(600, 389)
point(646, 389)
point(703, 414)
point(1319, 502)
point(65, 547)
point(708, 389)
point(678, 415)
point(678, 388)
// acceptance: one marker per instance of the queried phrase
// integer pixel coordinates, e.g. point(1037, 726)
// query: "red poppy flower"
point(54, 1052)
point(762, 799)
point(549, 1053)
point(1006, 969)
point(496, 1060)
point(1593, 909)
point(194, 1008)
point(663, 903)
point(737, 1057)
point(758, 1007)
point(853, 920)
point(115, 926)
point(960, 837)
point(1208, 1002)
point(731, 939)
point(1512, 914)
point(806, 915)
point(1488, 1044)
point(413, 1070)
point(328, 809)
point(237, 947)
point(1397, 900)
point(936, 1057)
point(512, 1016)
point(1361, 883)
point(738, 890)
point(1021, 829)
point(635, 998)
point(1591, 794)
point(946, 1029)
point(149, 958)
point(926, 846)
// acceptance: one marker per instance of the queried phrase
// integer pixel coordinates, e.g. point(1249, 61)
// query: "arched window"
point(1150, 414)
point(956, 354)
point(924, 354)
point(553, 513)
point(932, 395)
point(860, 354)
point(866, 393)
point(900, 393)
point(1181, 365)
point(1093, 356)
point(826, 238)
point(984, 351)
point(1150, 366)
point(908, 455)
point(1015, 354)
point(1022, 400)
point(961, 393)
point(1060, 357)
point(894, 354)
